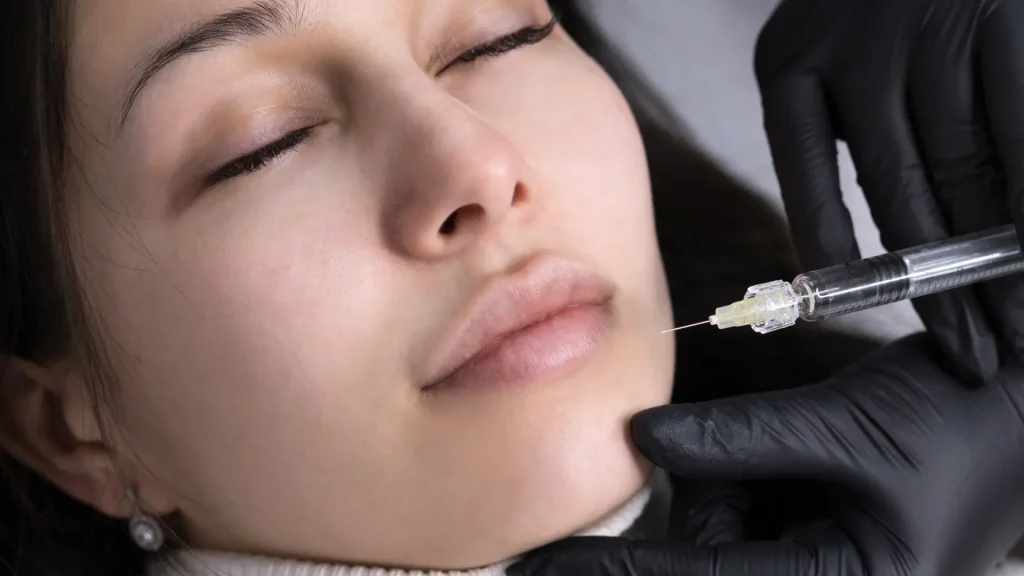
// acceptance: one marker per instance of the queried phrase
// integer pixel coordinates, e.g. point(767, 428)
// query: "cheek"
point(250, 320)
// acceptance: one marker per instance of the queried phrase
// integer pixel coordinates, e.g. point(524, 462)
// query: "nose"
point(454, 179)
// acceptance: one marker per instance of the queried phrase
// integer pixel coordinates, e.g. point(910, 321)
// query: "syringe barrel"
point(909, 273)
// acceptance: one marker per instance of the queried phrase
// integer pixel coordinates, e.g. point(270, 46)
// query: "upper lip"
point(539, 287)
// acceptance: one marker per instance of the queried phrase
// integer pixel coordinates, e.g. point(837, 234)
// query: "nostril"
point(519, 194)
point(461, 218)
point(448, 226)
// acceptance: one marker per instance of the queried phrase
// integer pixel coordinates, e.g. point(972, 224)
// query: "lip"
point(545, 316)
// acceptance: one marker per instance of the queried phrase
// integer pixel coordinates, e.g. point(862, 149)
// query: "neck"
point(623, 521)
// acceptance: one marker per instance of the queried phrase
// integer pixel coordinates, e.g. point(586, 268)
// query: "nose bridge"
point(452, 175)
point(449, 147)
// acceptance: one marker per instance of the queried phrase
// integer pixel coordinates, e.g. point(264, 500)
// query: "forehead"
point(118, 44)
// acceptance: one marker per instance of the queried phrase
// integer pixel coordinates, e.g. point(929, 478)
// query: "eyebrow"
point(262, 18)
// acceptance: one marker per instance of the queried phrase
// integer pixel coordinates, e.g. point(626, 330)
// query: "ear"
point(48, 423)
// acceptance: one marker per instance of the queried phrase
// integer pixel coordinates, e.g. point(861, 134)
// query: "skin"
point(271, 333)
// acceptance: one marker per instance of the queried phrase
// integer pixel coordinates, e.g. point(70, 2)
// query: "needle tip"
point(685, 327)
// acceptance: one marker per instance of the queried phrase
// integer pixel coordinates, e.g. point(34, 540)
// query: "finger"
point(1002, 71)
point(804, 153)
point(793, 44)
point(1002, 68)
point(793, 433)
point(948, 109)
point(872, 109)
point(831, 554)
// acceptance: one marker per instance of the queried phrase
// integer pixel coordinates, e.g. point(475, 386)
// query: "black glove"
point(929, 96)
point(926, 475)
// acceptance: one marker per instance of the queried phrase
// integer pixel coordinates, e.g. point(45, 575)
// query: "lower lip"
point(556, 345)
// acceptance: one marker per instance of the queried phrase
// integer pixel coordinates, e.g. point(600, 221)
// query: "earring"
point(146, 533)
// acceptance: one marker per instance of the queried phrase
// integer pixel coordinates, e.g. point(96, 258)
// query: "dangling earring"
point(143, 528)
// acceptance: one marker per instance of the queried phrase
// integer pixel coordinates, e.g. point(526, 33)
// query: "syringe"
point(876, 281)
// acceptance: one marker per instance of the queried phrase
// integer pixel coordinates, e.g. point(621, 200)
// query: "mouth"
point(547, 317)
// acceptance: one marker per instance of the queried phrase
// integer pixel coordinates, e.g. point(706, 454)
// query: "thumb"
point(790, 433)
point(831, 554)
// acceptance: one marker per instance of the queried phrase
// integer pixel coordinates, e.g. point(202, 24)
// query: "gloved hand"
point(926, 475)
point(929, 96)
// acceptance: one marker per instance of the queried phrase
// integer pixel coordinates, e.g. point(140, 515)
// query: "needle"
point(685, 327)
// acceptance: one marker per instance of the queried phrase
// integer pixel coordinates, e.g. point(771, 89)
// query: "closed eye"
point(260, 158)
point(524, 37)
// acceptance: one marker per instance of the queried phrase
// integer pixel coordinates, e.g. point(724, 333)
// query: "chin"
point(569, 505)
point(580, 493)
point(588, 503)
point(564, 469)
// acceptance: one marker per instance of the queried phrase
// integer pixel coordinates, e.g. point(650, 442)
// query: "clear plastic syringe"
point(876, 281)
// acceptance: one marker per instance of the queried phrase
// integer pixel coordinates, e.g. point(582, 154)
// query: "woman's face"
point(379, 279)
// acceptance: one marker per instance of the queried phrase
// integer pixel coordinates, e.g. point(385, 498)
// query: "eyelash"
point(519, 39)
point(262, 157)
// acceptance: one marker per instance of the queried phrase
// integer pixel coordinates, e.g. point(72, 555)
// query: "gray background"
point(699, 54)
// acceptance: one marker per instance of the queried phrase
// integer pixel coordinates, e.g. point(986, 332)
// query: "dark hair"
point(44, 532)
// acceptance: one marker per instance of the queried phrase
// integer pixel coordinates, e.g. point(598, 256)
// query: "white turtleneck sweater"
point(643, 516)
